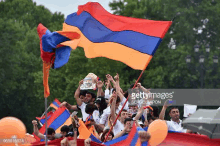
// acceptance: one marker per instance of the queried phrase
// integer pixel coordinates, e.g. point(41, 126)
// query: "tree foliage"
point(21, 86)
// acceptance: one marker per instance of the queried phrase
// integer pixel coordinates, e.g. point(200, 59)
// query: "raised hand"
point(100, 84)
point(167, 103)
point(144, 136)
point(109, 77)
point(116, 77)
point(107, 83)
point(139, 85)
point(80, 82)
point(63, 104)
point(34, 122)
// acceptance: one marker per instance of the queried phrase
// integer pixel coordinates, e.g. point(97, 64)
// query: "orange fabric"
point(84, 132)
point(46, 69)
point(68, 122)
point(138, 142)
point(115, 51)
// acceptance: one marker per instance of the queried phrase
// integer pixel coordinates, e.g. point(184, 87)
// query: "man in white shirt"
point(89, 98)
point(175, 124)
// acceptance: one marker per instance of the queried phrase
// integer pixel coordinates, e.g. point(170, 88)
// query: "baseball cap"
point(100, 99)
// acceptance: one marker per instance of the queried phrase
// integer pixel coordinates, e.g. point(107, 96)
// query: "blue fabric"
point(60, 120)
point(108, 143)
point(97, 33)
point(93, 138)
point(135, 139)
point(51, 40)
point(62, 55)
point(144, 143)
point(43, 120)
point(55, 103)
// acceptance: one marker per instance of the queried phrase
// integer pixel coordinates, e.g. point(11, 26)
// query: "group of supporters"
point(100, 112)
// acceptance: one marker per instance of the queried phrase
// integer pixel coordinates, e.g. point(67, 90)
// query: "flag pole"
point(44, 112)
point(125, 102)
point(46, 120)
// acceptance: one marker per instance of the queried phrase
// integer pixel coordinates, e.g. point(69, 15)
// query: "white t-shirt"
point(83, 108)
point(95, 115)
point(108, 93)
point(118, 127)
point(107, 111)
point(85, 115)
point(174, 126)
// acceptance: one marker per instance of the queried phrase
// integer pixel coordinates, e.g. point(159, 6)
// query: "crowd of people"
point(100, 112)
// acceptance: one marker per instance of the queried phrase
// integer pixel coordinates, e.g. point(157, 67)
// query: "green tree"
point(21, 65)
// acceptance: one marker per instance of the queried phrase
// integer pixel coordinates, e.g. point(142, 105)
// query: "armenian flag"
point(58, 119)
point(132, 41)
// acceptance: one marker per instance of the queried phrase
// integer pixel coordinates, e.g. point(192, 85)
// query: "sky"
point(67, 7)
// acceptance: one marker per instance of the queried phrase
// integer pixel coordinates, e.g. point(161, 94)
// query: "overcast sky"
point(67, 7)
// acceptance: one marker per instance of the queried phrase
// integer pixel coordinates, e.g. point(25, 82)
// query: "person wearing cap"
point(101, 104)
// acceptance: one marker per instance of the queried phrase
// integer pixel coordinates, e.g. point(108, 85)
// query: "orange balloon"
point(158, 130)
point(12, 131)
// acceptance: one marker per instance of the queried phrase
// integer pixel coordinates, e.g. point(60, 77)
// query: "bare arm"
point(118, 89)
point(36, 131)
point(113, 109)
point(162, 113)
point(119, 92)
point(142, 88)
point(109, 77)
point(68, 106)
point(77, 93)
point(140, 112)
point(100, 91)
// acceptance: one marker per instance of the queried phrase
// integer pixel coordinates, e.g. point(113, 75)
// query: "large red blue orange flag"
point(58, 119)
point(132, 41)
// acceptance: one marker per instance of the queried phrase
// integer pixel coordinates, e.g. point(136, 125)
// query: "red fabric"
point(70, 35)
point(57, 101)
point(149, 107)
point(131, 135)
point(184, 139)
point(80, 142)
point(48, 114)
point(56, 114)
point(172, 139)
point(121, 23)
point(37, 138)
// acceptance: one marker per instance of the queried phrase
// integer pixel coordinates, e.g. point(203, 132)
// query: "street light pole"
point(201, 61)
point(201, 58)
